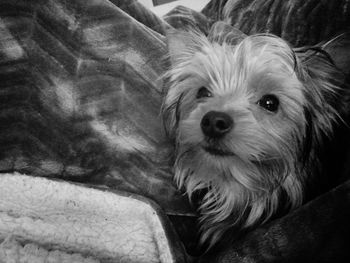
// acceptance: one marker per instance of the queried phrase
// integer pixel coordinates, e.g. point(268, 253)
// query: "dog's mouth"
point(217, 151)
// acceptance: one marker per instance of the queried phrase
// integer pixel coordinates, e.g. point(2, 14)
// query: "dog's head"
point(247, 114)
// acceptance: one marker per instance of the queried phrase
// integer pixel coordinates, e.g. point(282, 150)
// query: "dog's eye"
point(203, 92)
point(269, 102)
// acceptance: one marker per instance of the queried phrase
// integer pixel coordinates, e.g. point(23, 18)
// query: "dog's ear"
point(221, 32)
point(325, 69)
point(339, 50)
point(183, 45)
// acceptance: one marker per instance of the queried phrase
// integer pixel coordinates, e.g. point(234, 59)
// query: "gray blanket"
point(80, 96)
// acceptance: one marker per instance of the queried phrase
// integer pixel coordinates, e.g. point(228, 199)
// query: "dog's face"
point(240, 115)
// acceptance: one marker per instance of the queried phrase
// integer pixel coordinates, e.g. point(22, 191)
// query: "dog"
point(249, 116)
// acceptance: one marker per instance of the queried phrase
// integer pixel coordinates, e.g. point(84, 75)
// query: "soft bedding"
point(82, 148)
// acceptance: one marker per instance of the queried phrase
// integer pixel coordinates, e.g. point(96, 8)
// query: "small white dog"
point(248, 115)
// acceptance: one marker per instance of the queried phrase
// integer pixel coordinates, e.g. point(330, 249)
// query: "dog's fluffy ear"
point(183, 45)
point(177, 42)
point(339, 50)
point(331, 58)
point(221, 32)
point(325, 90)
point(324, 70)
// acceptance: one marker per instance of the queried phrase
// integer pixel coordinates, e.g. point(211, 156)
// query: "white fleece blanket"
point(42, 220)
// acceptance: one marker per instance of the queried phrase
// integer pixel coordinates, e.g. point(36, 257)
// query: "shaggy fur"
point(268, 156)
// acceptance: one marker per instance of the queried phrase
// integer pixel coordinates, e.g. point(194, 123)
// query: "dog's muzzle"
point(216, 124)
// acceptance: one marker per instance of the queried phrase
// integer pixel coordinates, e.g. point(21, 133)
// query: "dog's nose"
point(216, 124)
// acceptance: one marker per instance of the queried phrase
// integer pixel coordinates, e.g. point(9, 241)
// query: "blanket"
point(80, 102)
point(81, 140)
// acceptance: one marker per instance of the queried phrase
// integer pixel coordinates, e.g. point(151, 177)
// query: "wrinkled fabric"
point(44, 220)
point(80, 98)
